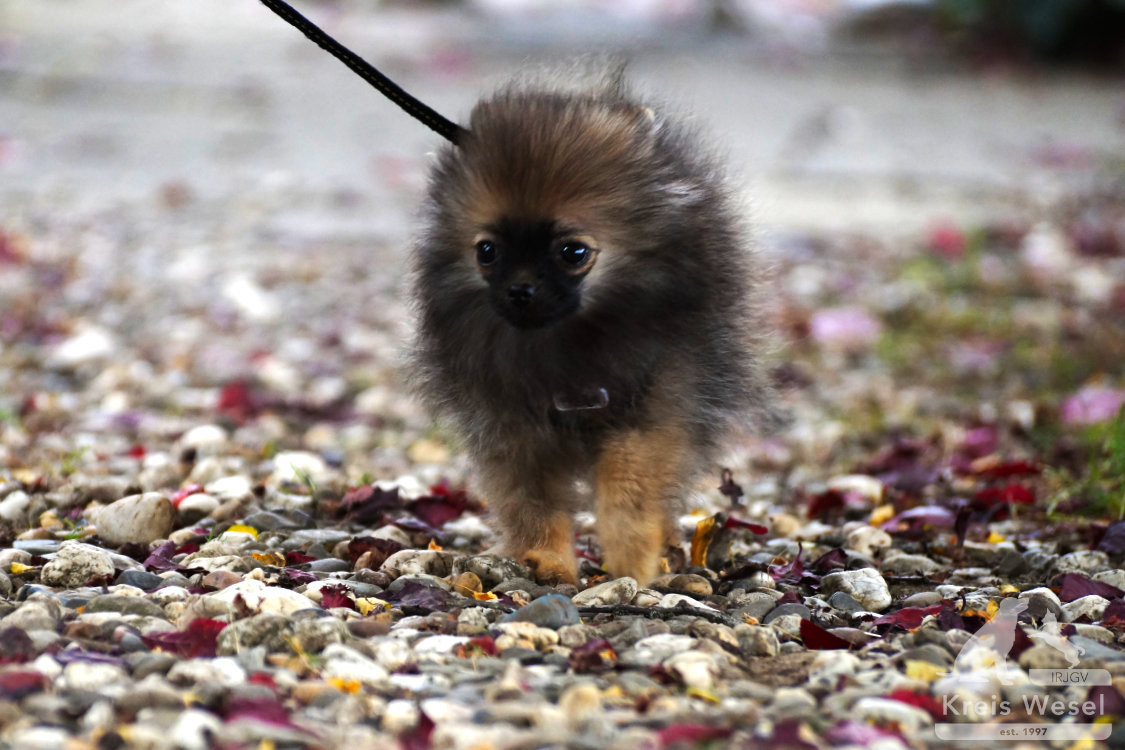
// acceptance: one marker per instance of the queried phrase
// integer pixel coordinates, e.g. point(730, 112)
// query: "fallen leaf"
point(1071, 586)
point(819, 639)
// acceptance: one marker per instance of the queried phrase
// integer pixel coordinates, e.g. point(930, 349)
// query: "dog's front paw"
point(551, 566)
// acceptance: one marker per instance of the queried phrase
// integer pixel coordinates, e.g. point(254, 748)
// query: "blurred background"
point(203, 216)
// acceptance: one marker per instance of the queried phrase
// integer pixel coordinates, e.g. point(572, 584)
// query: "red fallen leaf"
point(691, 735)
point(1113, 540)
point(17, 685)
point(819, 639)
point(238, 402)
point(199, 639)
point(1006, 469)
point(361, 545)
point(264, 679)
point(438, 508)
point(595, 655)
point(926, 702)
point(292, 577)
point(185, 492)
point(1020, 643)
point(947, 241)
point(738, 523)
point(297, 558)
point(791, 733)
point(368, 503)
point(833, 559)
point(1071, 586)
point(921, 517)
point(332, 597)
point(137, 451)
point(1012, 493)
point(418, 738)
point(1114, 615)
point(267, 710)
point(791, 573)
point(480, 646)
point(859, 734)
point(979, 442)
point(825, 502)
point(1105, 700)
point(908, 618)
point(16, 647)
point(161, 558)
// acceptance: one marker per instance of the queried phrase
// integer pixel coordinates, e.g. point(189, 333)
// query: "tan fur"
point(638, 478)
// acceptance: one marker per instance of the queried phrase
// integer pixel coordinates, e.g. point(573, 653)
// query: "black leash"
point(448, 130)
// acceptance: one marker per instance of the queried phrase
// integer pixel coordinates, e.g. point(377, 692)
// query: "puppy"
point(583, 287)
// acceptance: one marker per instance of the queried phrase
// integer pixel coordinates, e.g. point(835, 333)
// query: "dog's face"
point(540, 206)
point(534, 269)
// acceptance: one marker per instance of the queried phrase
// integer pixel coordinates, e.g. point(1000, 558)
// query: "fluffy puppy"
point(583, 286)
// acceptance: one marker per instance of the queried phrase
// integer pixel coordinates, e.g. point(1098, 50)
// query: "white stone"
point(694, 669)
point(90, 344)
point(865, 585)
point(672, 600)
point(419, 561)
point(222, 670)
point(439, 644)
point(868, 540)
point(194, 729)
point(205, 439)
point(91, 676)
point(1115, 578)
point(260, 598)
point(659, 647)
point(1083, 561)
point(14, 508)
point(345, 663)
point(1092, 606)
point(884, 711)
point(828, 667)
point(618, 591)
point(198, 505)
point(75, 564)
point(1041, 591)
point(861, 484)
point(299, 466)
point(231, 487)
point(137, 518)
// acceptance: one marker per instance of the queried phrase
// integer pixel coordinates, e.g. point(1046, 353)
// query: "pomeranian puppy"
point(584, 291)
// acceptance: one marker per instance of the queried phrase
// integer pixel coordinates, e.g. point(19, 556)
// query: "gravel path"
point(223, 524)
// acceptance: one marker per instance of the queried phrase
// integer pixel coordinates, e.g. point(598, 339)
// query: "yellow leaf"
point(702, 694)
point(20, 568)
point(434, 546)
point(244, 529)
point(994, 538)
point(1008, 588)
point(701, 540)
point(993, 608)
point(922, 670)
point(345, 685)
point(369, 604)
point(881, 515)
point(484, 596)
point(269, 558)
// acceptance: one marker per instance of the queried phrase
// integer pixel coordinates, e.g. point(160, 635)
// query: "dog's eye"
point(486, 253)
point(575, 254)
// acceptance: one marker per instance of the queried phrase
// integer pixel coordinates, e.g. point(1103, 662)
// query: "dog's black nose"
point(521, 295)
